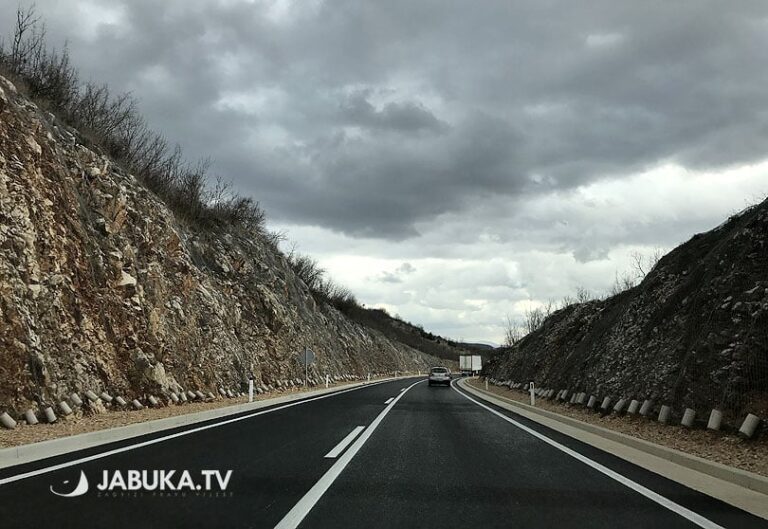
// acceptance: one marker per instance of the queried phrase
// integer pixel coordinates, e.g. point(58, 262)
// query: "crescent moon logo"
point(82, 487)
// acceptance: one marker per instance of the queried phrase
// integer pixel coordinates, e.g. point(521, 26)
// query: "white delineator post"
point(327, 380)
point(369, 378)
point(532, 390)
point(250, 390)
point(486, 384)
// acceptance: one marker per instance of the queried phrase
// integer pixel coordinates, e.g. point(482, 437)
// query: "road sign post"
point(306, 358)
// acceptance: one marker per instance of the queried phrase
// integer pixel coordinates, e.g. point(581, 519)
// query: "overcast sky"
point(453, 162)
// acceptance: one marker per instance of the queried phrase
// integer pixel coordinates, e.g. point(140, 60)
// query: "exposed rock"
point(693, 334)
point(102, 287)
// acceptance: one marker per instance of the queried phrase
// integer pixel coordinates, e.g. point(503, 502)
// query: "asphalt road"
point(396, 454)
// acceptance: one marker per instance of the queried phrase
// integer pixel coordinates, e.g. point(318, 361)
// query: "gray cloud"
point(446, 135)
point(370, 118)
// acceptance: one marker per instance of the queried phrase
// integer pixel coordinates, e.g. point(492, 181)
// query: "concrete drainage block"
point(211, 396)
point(591, 402)
point(749, 426)
point(646, 408)
point(75, 399)
point(64, 407)
point(137, 405)
point(120, 401)
point(634, 407)
point(30, 417)
point(689, 415)
point(153, 401)
point(619, 406)
point(90, 395)
point(664, 414)
point(106, 397)
point(50, 417)
point(715, 420)
point(199, 394)
point(183, 396)
point(606, 405)
point(7, 421)
point(174, 398)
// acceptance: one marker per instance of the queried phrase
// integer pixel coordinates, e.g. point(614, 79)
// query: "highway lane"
point(404, 455)
point(441, 460)
point(275, 457)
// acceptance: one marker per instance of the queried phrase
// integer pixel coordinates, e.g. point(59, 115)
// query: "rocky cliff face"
point(102, 288)
point(693, 334)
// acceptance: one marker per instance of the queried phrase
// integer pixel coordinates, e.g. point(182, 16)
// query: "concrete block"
point(689, 415)
point(581, 397)
point(592, 401)
point(30, 417)
point(620, 405)
point(606, 404)
point(211, 396)
point(230, 395)
point(137, 405)
point(153, 401)
point(120, 401)
point(106, 397)
point(564, 395)
point(200, 395)
point(174, 398)
point(64, 407)
point(183, 396)
point(90, 395)
point(50, 417)
point(749, 426)
point(222, 392)
point(75, 399)
point(573, 398)
point(7, 421)
point(715, 420)
point(192, 395)
point(646, 408)
point(664, 413)
point(634, 407)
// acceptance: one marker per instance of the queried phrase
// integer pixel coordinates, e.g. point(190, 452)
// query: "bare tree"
point(512, 332)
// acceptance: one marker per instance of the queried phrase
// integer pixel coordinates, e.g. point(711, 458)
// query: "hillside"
point(103, 287)
point(693, 334)
point(407, 333)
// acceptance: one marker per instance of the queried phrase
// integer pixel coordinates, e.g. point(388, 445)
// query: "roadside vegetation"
point(535, 317)
point(111, 123)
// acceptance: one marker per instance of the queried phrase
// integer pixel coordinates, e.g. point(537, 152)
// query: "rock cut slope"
point(693, 333)
point(102, 288)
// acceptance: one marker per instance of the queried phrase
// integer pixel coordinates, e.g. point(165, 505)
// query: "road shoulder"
point(721, 482)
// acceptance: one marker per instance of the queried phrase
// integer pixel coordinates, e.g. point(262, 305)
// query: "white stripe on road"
point(339, 448)
point(305, 504)
point(648, 493)
point(390, 399)
point(51, 468)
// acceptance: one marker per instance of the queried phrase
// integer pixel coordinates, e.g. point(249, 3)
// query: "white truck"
point(470, 365)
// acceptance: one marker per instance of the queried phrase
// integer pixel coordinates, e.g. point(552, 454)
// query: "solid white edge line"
point(339, 448)
point(390, 399)
point(313, 495)
point(648, 493)
point(52, 468)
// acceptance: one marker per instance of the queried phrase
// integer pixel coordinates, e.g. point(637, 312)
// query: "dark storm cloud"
point(373, 118)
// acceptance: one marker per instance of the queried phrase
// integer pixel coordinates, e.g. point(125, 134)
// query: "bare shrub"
point(113, 123)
